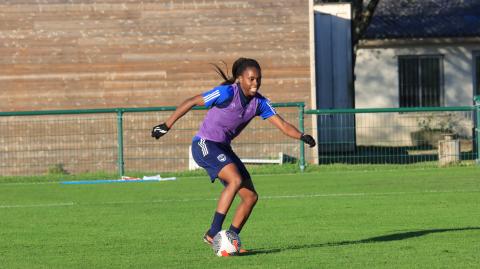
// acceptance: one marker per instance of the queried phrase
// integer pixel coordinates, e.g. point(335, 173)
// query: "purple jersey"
point(230, 113)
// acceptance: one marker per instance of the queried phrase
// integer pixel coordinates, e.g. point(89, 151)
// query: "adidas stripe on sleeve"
point(265, 109)
point(217, 95)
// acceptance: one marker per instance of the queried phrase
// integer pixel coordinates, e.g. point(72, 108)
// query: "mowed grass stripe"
point(269, 197)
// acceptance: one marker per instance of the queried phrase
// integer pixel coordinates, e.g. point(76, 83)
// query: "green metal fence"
point(477, 127)
point(77, 141)
point(118, 140)
point(439, 135)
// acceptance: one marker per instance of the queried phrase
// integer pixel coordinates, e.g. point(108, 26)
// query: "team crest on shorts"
point(222, 157)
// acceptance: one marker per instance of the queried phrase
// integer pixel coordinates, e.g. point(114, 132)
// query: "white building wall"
point(376, 86)
point(376, 74)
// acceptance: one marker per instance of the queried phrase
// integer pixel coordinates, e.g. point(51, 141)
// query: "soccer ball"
point(226, 243)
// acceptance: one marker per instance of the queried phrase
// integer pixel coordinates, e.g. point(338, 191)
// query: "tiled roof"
point(425, 18)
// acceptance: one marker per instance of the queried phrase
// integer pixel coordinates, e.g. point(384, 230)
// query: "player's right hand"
point(159, 130)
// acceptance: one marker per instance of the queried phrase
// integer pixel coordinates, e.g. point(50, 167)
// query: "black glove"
point(159, 130)
point(308, 139)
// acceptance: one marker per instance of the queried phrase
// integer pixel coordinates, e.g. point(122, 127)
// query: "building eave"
point(402, 42)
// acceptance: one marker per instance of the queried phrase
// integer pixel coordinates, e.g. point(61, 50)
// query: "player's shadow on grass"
point(377, 239)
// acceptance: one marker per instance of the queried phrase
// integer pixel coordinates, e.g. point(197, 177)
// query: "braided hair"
point(237, 69)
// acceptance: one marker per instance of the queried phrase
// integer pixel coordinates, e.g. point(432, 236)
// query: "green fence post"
point(477, 126)
point(120, 161)
point(301, 110)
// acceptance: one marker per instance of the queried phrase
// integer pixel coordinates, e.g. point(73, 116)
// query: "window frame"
point(419, 94)
point(476, 73)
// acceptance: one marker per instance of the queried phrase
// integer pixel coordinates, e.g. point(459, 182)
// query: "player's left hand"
point(308, 139)
point(160, 130)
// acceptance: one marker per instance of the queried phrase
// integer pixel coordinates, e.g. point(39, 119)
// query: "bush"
point(57, 169)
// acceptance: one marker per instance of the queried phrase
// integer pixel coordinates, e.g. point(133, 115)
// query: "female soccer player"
point(232, 106)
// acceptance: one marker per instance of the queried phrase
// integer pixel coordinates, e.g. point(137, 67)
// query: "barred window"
point(477, 74)
point(420, 81)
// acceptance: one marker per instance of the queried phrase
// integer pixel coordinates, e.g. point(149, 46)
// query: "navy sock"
point(217, 222)
point(235, 229)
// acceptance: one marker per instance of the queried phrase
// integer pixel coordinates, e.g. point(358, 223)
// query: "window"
point(477, 74)
point(420, 81)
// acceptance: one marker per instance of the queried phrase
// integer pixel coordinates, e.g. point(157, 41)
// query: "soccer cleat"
point(207, 239)
point(241, 250)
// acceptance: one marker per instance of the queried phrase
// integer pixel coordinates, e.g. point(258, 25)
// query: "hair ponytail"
point(237, 69)
point(226, 79)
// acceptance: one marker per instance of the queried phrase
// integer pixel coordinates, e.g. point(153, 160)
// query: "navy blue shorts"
point(213, 156)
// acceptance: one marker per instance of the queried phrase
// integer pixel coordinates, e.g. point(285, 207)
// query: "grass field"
point(330, 218)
